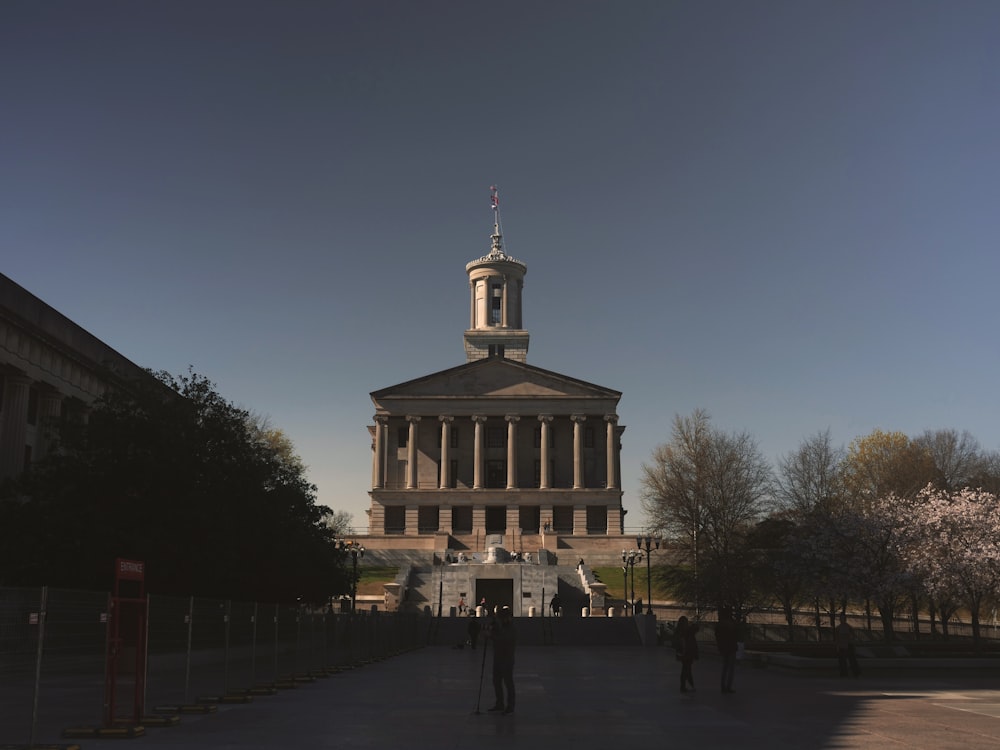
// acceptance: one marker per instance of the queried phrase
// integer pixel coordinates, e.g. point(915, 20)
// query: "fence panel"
point(19, 633)
point(170, 630)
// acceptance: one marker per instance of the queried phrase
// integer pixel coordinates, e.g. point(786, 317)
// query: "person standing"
point(844, 642)
point(686, 646)
point(473, 629)
point(555, 605)
point(504, 638)
point(727, 639)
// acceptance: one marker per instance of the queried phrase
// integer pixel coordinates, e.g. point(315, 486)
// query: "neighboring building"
point(496, 446)
point(48, 365)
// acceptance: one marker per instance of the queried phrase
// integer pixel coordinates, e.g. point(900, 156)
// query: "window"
point(496, 350)
point(428, 520)
point(461, 520)
point(403, 437)
point(562, 519)
point(453, 473)
point(495, 300)
point(454, 437)
point(395, 520)
point(538, 472)
point(597, 519)
point(495, 437)
point(496, 520)
point(496, 474)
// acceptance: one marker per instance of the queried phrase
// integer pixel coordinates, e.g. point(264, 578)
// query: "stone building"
point(48, 366)
point(496, 445)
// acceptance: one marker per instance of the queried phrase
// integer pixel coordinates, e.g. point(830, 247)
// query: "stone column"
point(503, 302)
point(578, 420)
point(411, 453)
point(378, 470)
point(49, 408)
point(14, 425)
point(412, 521)
point(512, 420)
point(514, 527)
point(545, 481)
point(444, 519)
point(472, 305)
point(478, 452)
point(612, 453)
point(614, 520)
point(479, 522)
point(443, 482)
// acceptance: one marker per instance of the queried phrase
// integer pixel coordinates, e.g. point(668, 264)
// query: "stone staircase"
point(420, 592)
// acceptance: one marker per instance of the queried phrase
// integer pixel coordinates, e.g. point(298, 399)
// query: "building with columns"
point(48, 366)
point(496, 447)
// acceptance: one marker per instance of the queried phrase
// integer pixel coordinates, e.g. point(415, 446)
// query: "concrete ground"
point(583, 698)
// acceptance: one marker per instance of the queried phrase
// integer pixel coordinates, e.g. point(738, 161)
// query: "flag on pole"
point(494, 198)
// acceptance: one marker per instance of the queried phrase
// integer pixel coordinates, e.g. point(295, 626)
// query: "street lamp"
point(355, 550)
point(647, 544)
point(629, 559)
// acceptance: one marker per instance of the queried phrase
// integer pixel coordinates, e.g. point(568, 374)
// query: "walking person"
point(555, 605)
point(727, 639)
point(504, 638)
point(686, 647)
point(844, 642)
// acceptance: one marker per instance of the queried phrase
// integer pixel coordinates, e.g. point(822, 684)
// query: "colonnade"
point(18, 420)
point(513, 421)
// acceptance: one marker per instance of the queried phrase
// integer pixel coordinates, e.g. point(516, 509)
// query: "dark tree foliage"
point(171, 473)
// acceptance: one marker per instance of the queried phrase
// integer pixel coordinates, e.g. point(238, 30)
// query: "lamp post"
point(629, 559)
point(355, 550)
point(647, 544)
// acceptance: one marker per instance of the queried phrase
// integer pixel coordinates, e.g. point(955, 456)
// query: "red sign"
point(129, 570)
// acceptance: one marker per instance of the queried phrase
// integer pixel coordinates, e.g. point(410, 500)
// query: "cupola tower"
point(496, 328)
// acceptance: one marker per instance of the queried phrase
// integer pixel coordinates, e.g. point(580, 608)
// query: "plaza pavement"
point(589, 698)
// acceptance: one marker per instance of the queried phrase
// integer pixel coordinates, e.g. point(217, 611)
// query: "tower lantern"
point(496, 280)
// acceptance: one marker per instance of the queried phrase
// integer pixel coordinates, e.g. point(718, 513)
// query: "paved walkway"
point(578, 699)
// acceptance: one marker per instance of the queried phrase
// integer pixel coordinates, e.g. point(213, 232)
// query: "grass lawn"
point(371, 578)
point(612, 577)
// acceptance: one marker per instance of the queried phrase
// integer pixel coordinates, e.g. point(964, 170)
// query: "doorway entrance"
point(498, 592)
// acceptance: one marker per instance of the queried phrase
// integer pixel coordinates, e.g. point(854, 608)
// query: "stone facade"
point(48, 365)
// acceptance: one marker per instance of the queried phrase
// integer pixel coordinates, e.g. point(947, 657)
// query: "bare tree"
point(340, 523)
point(809, 478)
point(703, 490)
point(987, 477)
point(957, 456)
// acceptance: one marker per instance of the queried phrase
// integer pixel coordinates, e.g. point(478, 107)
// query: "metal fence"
point(54, 648)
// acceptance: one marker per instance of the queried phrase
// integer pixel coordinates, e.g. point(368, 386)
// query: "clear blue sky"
point(785, 213)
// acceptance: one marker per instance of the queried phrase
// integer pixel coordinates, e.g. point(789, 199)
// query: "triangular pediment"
point(495, 378)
